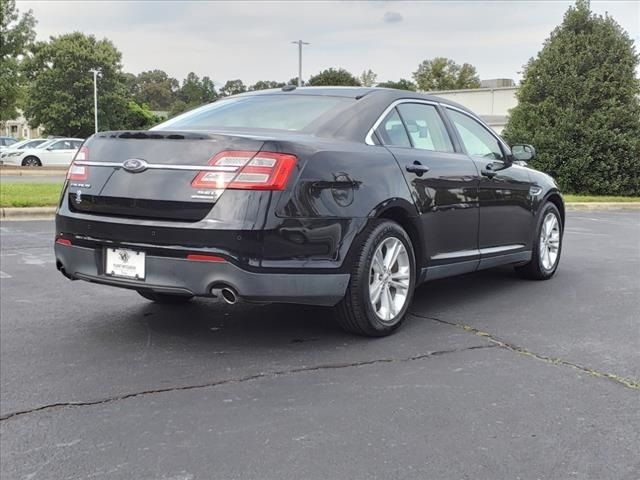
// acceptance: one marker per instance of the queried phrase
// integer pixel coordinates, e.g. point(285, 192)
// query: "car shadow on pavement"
point(211, 324)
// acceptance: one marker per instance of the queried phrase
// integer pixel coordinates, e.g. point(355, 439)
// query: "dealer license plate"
point(122, 262)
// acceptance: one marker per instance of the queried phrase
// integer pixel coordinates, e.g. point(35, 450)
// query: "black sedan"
point(345, 197)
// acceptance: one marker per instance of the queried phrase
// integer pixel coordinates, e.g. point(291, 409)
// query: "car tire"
point(358, 312)
point(547, 245)
point(31, 161)
point(165, 298)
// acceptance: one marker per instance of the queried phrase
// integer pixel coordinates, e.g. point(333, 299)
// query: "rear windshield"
point(279, 112)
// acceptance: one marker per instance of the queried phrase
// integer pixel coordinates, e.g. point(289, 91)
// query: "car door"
point(506, 218)
point(443, 183)
point(58, 153)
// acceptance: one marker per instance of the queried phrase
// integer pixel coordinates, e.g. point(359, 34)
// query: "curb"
point(577, 206)
point(44, 213)
point(27, 213)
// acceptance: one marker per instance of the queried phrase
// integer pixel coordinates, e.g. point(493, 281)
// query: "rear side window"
point(477, 140)
point(392, 132)
point(425, 127)
point(280, 112)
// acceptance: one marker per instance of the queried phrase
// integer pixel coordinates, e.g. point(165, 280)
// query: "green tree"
point(265, 85)
point(578, 104)
point(60, 93)
point(195, 91)
point(334, 77)
point(368, 78)
point(402, 84)
point(444, 74)
point(156, 89)
point(138, 117)
point(16, 36)
point(294, 81)
point(232, 87)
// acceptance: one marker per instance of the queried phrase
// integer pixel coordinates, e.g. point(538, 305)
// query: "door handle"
point(417, 168)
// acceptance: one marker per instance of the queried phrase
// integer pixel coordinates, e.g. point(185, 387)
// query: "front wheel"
point(165, 298)
point(31, 161)
point(547, 245)
point(382, 282)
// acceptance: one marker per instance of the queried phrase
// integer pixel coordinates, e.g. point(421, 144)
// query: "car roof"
point(356, 93)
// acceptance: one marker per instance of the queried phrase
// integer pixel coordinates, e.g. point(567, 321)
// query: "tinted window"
point(281, 112)
point(76, 144)
point(425, 127)
point(392, 132)
point(477, 140)
point(32, 144)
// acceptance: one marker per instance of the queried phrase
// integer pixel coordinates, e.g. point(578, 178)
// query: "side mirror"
point(523, 152)
point(49, 148)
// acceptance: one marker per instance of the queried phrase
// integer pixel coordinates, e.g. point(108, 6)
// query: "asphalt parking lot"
point(492, 377)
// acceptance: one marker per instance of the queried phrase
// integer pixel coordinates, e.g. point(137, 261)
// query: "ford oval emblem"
point(134, 165)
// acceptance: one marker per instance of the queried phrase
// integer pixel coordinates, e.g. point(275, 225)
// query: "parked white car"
point(16, 148)
point(55, 152)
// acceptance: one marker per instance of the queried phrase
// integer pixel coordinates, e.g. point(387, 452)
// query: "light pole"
point(300, 43)
point(95, 72)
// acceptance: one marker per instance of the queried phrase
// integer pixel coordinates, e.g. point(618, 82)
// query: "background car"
point(6, 142)
point(346, 197)
point(55, 152)
point(16, 148)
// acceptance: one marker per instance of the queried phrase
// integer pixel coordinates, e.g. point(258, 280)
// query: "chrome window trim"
point(158, 166)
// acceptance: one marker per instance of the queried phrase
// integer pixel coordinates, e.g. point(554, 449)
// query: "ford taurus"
point(345, 197)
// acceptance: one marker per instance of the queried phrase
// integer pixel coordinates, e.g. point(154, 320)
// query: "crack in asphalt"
point(234, 380)
point(627, 382)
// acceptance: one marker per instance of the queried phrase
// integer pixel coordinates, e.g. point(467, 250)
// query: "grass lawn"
point(29, 194)
point(596, 198)
point(47, 194)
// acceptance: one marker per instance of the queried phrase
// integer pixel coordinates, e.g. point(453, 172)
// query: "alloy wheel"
point(549, 241)
point(389, 279)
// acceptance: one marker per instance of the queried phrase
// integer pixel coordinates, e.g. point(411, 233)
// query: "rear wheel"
point(382, 282)
point(31, 161)
point(547, 246)
point(165, 298)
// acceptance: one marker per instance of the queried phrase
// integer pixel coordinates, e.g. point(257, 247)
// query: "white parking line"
point(4, 275)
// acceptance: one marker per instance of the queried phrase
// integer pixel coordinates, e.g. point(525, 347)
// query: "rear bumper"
point(181, 276)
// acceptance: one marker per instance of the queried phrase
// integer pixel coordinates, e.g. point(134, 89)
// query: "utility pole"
point(300, 43)
point(95, 72)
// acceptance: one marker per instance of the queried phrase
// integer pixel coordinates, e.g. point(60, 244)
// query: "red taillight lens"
point(64, 241)
point(204, 258)
point(247, 170)
point(79, 172)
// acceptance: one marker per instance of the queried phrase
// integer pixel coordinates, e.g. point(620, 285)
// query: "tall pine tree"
point(579, 105)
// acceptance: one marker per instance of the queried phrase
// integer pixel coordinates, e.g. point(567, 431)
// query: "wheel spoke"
point(392, 253)
point(391, 303)
point(384, 304)
point(400, 285)
point(378, 262)
point(375, 291)
point(400, 276)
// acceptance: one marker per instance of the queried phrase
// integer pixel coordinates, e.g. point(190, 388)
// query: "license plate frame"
point(125, 263)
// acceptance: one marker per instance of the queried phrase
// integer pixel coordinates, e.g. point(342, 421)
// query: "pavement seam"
point(627, 382)
point(248, 378)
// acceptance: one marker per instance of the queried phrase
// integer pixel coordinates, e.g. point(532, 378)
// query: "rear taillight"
point(79, 172)
point(247, 170)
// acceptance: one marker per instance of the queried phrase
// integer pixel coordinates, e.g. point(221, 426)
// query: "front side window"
point(477, 140)
point(425, 127)
point(61, 145)
point(392, 132)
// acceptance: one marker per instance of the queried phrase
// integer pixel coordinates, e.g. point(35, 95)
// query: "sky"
point(251, 40)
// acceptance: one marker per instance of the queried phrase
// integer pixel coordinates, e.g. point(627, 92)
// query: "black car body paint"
point(297, 240)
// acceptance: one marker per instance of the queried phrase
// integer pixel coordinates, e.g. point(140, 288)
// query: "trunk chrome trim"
point(160, 166)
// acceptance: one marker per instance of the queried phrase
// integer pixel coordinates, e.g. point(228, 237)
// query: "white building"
point(19, 128)
point(491, 103)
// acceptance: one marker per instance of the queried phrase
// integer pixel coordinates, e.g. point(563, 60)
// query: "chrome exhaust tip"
point(229, 296)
